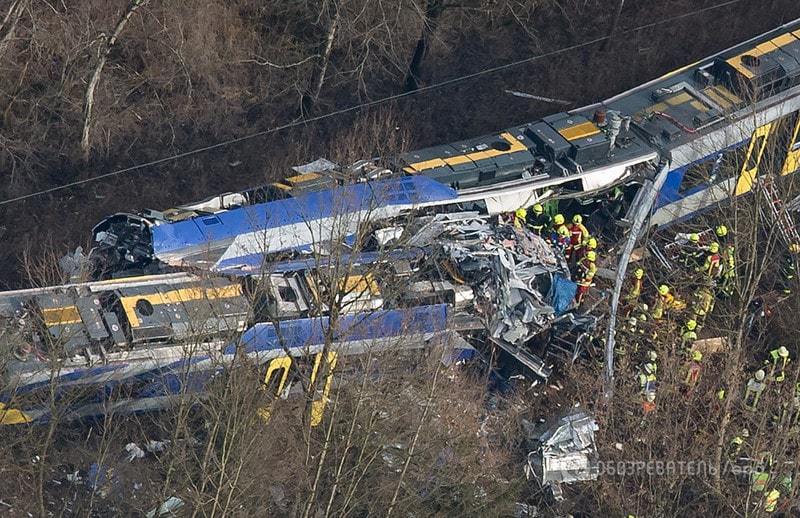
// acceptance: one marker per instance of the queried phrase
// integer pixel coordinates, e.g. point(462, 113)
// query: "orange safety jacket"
point(577, 234)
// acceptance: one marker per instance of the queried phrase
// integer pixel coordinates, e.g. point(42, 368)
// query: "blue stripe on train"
point(300, 333)
point(202, 230)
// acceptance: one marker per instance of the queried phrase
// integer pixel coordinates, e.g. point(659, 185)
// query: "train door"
point(752, 160)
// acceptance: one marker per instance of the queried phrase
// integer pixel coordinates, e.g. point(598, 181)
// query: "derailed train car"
point(700, 120)
point(693, 123)
point(142, 342)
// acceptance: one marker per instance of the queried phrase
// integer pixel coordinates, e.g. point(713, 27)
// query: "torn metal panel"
point(565, 450)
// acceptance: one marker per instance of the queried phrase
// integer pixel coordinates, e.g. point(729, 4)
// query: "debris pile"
point(511, 270)
point(565, 450)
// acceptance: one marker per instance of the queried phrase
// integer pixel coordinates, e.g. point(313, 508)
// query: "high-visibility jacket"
point(758, 481)
point(754, 388)
point(736, 444)
point(712, 266)
point(634, 291)
point(663, 302)
point(688, 337)
point(587, 270)
point(704, 302)
point(693, 374)
point(578, 234)
point(560, 235)
point(771, 501)
point(729, 261)
point(647, 382)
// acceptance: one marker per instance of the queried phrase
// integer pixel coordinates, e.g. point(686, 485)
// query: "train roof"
point(211, 238)
point(677, 107)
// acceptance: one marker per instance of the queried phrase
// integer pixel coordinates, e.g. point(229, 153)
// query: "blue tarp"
point(562, 294)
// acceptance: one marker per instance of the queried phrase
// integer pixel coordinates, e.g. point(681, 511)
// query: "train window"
point(287, 294)
point(752, 160)
point(732, 161)
point(701, 173)
point(144, 308)
point(273, 383)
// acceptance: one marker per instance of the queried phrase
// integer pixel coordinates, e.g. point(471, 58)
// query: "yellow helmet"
point(691, 325)
point(563, 231)
point(577, 218)
point(639, 273)
point(591, 243)
point(722, 231)
point(697, 355)
point(538, 209)
point(591, 255)
point(663, 289)
point(694, 237)
point(714, 247)
point(558, 219)
point(521, 213)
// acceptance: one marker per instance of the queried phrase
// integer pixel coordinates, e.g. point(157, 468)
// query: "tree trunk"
point(614, 25)
point(433, 10)
point(9, 24)
point(103, 51)
point(318, 79)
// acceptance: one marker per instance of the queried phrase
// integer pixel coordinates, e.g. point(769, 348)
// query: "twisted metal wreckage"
point(400, 254)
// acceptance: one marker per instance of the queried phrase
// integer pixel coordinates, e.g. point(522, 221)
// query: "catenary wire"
point(369, 104)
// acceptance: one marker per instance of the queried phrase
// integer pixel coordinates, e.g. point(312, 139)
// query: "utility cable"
point(369, 104)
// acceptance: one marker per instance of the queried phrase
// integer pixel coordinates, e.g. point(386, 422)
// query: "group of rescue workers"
point(571, 239)
point(709, 260)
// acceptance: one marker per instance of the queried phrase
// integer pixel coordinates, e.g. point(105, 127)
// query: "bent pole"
point(640, 215)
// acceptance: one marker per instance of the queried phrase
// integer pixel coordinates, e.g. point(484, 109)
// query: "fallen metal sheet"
point(566, 451)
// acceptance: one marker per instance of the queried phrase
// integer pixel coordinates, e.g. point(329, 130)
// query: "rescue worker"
point(755, 386)
point(578, 235)
point(664, 302)
point(647, 379)
point(760, 476)
point(590, 246)
point(689, 334)
point(693, 372)
point(778, 358)
point(712, 267)
point(739, 441)
point(703, 303)
point(559, 235)
point(692, 252)
point(651, 360)
point(539, 220)
point(520, 218)
point(771, 500)
point(586, 271)
point(634, 289)
point(728, 256)
point(652, 357)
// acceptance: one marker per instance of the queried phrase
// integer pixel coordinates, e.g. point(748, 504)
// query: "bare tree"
point(105, 44)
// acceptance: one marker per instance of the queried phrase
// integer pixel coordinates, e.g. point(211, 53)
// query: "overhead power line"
point(336, 113)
